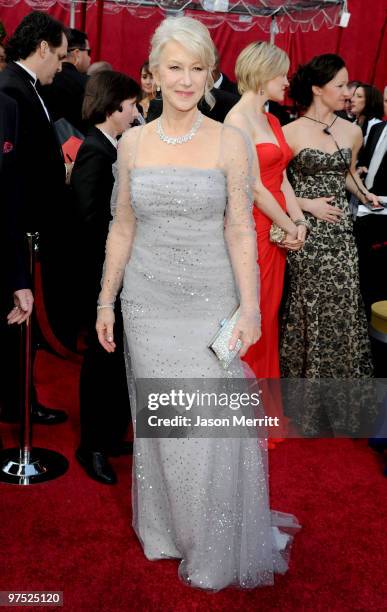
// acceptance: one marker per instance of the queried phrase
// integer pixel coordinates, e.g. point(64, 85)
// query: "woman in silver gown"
point(182, 244)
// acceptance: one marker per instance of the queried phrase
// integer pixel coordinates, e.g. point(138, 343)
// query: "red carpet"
point(73, 534)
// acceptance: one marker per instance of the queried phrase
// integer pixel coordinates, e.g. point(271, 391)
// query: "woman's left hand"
point(247, 329)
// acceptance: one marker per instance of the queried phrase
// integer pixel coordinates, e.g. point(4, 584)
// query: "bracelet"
point(299, 222)
point(100, 306)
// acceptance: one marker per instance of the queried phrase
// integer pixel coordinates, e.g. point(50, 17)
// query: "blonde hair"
point(194, 37)
point(257, 64)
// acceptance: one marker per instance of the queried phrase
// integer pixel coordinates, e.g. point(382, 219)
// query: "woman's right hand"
point(104, 327)
point(322, 209)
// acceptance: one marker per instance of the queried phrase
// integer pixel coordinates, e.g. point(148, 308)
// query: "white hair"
point(194, 37)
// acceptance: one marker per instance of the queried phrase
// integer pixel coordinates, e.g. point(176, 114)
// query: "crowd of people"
point(190, 195)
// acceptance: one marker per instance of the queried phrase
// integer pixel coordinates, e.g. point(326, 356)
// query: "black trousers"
point(10, 375)
point(371, 239)
point(104, 400)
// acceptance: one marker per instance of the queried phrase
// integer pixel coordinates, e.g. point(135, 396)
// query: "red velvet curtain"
point(125, 39)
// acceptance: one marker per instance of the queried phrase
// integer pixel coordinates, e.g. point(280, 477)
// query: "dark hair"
point(145, 68)
point(30, 32)
point(373, 107)
point(104, 93)
point(319, 71)
point(76, 39)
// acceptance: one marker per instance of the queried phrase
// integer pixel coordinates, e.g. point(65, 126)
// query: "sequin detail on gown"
point(204, 501)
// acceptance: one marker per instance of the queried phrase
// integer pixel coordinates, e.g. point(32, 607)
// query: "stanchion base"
point(26, 468)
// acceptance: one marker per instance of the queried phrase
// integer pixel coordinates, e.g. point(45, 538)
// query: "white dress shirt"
point(114, 141)
point(218, 82)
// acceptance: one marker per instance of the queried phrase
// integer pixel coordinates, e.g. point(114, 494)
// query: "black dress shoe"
point(97, 466)
point(122, 448)
point(47, 416)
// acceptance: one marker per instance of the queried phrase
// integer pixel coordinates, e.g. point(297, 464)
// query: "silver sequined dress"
point(204, 501)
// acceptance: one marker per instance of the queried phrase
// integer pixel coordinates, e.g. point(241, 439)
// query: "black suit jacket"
point(380, 181)
point(40, 159)
point(224, 101)
point(14, 274)
point(92, 184)
point(228, 85)
point(44, 207)
point(64, 97)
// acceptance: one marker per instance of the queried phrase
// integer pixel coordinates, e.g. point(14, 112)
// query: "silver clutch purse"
point(219, 343)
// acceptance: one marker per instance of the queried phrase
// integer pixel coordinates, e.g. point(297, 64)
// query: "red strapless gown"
point(263, 357)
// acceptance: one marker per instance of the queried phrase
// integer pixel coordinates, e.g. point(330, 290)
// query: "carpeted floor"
point(73, 534)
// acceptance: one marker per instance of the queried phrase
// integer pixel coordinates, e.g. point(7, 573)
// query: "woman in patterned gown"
point(182, 242)
point(325, 328)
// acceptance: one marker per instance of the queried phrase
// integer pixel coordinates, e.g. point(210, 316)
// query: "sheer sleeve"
point(237, 161)
point(123, 225)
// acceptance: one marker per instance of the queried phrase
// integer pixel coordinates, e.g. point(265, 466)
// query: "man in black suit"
point(371, 228)
point(64, 97)
point(15, 275)
point(35, 53)
point(371, 236)
point(16, 299)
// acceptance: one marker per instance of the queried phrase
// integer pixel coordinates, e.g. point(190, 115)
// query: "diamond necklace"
point(179, 139)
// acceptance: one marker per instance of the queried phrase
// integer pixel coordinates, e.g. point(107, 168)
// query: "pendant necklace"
point(179, 139)
point(327, 127)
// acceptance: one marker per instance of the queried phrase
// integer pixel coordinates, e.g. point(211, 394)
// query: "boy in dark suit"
point(110, 108)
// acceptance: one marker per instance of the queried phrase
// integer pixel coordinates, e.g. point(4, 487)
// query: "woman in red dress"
point(261, 70)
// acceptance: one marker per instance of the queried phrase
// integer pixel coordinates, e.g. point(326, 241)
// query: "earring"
point(261, 92)
point(158, 88)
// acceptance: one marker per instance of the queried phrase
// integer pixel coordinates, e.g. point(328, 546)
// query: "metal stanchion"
point(27, 465)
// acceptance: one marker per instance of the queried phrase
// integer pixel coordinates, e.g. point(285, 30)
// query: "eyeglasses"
point(87, 49)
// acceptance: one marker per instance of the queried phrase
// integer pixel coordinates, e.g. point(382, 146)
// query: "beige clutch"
point(219, 343)
point(277, 234)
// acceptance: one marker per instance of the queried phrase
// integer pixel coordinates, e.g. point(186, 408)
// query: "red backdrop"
point(125, 39)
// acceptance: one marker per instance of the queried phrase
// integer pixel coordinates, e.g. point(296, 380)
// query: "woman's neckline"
point(169, 167)
point(321, 151)
point(269, 142)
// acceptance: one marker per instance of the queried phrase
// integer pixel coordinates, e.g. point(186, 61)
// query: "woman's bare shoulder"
point(347, 127)
point(293, 131)
point(131, 135)
point(237, 118)
point(293, 127)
